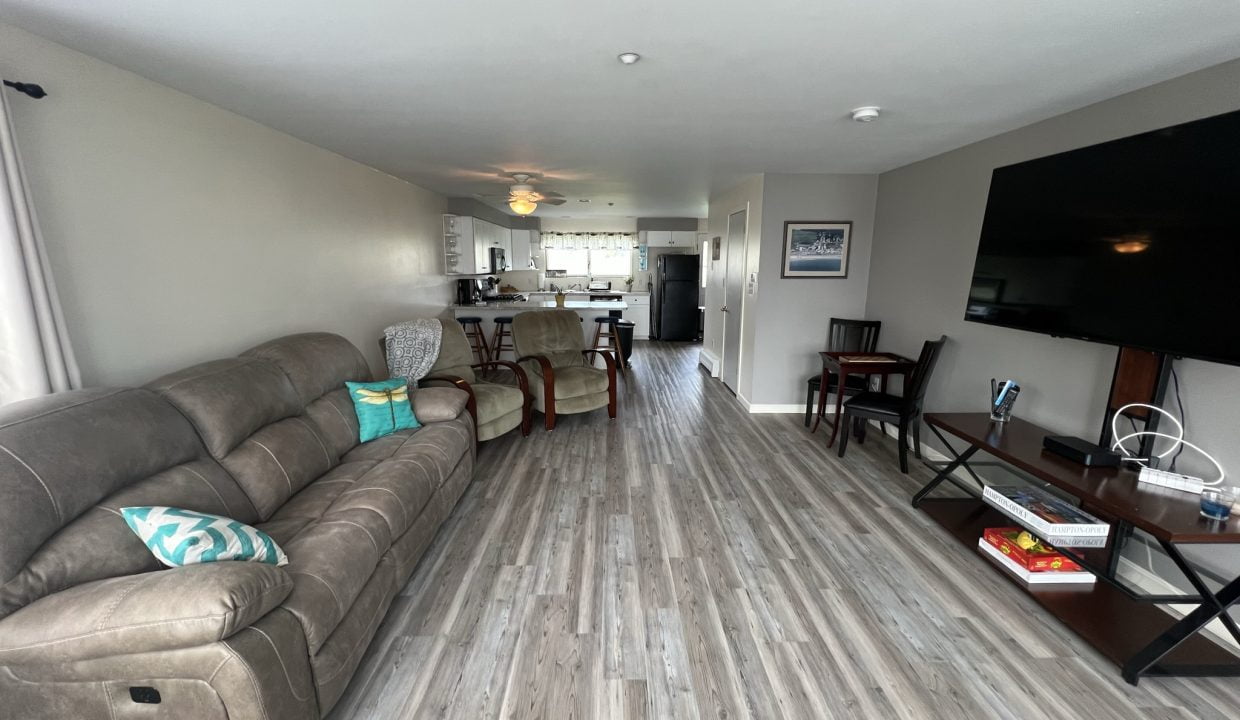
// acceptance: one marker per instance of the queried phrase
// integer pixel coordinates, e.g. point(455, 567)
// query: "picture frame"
point(816, 248)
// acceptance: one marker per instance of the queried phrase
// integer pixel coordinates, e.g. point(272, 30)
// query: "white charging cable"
point(1177, 438)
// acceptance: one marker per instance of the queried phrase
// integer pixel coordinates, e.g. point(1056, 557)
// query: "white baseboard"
point(709, 361)
point(795, 409)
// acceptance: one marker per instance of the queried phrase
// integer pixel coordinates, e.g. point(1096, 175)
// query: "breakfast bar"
point(587, 309)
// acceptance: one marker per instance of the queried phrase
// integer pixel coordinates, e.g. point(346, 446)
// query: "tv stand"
point(1117, 619)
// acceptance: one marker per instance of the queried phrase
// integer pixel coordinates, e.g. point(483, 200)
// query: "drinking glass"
point(1216, 502)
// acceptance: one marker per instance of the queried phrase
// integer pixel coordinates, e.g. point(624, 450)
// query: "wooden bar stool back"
point(501, 338)
point(605, 331)
point(477, 338)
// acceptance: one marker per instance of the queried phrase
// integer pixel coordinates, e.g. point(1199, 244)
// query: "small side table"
point(843, 364)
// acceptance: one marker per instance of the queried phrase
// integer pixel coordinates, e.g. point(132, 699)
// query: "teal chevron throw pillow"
point(382, 408)
point(184, 537)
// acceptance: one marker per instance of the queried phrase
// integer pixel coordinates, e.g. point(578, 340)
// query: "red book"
point(1039, 558)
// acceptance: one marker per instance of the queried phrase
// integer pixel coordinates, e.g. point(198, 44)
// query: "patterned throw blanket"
point(412, 348)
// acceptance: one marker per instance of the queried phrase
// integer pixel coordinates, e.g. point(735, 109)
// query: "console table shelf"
point(1112, 622)
point(1125, 626)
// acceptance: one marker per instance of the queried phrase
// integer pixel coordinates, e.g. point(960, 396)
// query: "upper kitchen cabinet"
point(524, 250)
point(468, 242)
point(669, 238)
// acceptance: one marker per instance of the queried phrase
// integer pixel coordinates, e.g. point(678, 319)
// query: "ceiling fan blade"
point(550, 194)
point(552, 201)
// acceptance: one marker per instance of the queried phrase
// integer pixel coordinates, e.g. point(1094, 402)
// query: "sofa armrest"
point(440, 404)
point(162, 610)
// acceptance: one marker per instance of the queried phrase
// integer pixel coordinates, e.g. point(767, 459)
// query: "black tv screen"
point(1132, 242)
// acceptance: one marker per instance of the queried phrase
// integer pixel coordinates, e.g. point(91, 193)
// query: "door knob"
point(723, 309)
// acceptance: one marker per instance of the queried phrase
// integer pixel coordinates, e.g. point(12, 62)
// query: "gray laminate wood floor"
point(689, 560)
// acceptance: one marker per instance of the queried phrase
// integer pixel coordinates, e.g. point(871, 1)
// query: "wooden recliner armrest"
point(548, 378)
point(610, 361)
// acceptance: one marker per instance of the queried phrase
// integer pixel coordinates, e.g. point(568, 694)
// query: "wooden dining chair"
point(843, 335)
point(904, 411)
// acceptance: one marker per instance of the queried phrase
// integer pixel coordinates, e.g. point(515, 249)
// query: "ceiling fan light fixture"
point(522, 206)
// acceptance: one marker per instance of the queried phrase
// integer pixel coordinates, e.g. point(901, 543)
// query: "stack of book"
point(1055, 521)
point(1038, 563)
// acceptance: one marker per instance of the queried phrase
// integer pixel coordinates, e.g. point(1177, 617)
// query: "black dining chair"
point(904, 411)
point(859, 336)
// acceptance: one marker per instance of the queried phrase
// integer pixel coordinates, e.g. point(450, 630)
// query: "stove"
point(505, 297)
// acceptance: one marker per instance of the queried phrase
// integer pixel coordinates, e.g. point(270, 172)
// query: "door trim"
point(723, 345)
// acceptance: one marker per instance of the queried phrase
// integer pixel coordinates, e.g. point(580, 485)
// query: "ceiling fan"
point(523, 199)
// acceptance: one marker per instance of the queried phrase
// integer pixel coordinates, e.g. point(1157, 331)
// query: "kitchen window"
point(591, 263)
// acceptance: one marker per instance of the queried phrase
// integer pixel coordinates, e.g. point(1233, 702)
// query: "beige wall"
point(180, 232)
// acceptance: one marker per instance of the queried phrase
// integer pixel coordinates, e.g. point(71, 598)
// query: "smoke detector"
point(865, 114)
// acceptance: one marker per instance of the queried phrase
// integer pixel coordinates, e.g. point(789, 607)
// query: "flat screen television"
point(1133, 242)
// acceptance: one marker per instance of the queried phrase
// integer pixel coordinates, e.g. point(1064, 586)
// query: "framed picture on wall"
point(816, 249)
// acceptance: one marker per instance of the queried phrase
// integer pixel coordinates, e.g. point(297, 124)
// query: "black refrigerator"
point(674, 301)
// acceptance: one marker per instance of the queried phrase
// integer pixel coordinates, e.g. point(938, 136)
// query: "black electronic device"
point(1080, 451)
point(1131, 242)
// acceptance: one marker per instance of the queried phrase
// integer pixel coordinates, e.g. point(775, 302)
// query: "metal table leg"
point(1212, 606)
point(958, 461)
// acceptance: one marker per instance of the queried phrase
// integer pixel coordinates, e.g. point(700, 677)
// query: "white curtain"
point(35, 355)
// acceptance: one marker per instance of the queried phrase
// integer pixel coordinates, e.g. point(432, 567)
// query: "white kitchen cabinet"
point(658, 238)
point(684, 238)
point(522, 256)
point(488, 235)
point(638, 313)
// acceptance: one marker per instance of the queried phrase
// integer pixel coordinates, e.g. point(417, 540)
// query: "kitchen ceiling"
point(451, 95)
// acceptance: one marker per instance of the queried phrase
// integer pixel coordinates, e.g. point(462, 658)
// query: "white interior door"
point(733, 296)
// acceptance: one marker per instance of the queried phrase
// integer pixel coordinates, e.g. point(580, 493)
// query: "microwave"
point(499, 262)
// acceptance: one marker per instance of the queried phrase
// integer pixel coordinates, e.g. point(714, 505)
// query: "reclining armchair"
point(496, 408)
point(549, 347)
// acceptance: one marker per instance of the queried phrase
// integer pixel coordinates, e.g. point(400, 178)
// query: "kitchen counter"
point(547, 305)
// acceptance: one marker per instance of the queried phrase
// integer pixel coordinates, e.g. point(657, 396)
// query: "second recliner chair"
point(550, 347)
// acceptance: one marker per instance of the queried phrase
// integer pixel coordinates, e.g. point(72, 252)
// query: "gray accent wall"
point(792, 314)
point(928, 221)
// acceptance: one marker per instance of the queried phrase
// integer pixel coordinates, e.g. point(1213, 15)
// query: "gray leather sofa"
point(91, 626)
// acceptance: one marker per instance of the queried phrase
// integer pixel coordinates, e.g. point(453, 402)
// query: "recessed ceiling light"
point(865, 114)
point(583, 199)
point(629, 58)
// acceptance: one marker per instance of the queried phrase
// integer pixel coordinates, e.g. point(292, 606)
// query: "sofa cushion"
point(315, 363)
point(571, 382)
point(67, 463)
point(439, 404)
point(249, 416)
point(228, 400)
point(330, 562)
point(317, 366)
point(434, 448)
point(160, 610)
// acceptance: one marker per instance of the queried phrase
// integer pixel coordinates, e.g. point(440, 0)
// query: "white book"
point(1048, 577)
point(1078, 522)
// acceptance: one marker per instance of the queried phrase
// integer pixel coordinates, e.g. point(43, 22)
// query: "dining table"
point(842, 364)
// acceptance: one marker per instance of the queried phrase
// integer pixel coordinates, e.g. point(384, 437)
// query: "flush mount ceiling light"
point(522, 205)
point(865, 114)
point(629, 58)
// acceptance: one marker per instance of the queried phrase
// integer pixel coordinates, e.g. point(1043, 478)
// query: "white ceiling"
point(449, 93)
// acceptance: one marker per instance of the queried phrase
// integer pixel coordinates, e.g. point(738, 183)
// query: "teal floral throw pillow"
point(184, 537)
point(382, 408)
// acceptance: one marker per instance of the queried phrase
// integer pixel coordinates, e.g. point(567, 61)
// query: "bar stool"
point(611, 336)
point(477, 339)
point(503, 329)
